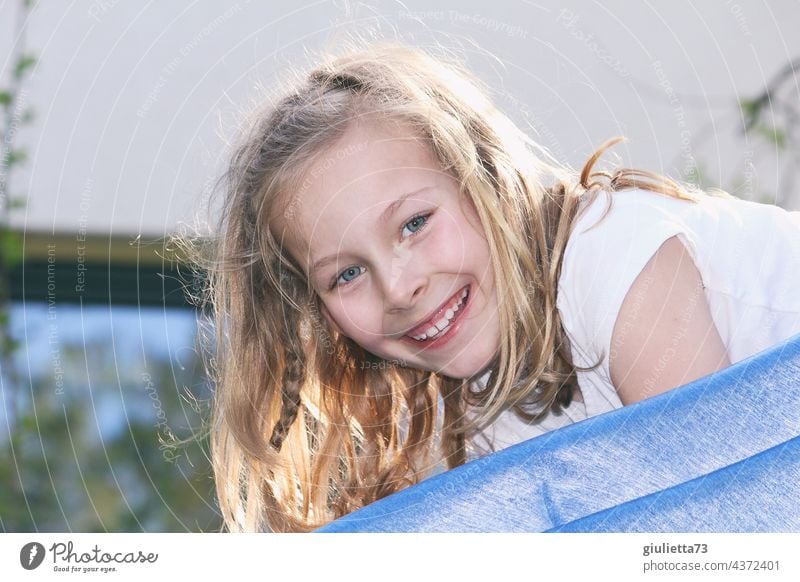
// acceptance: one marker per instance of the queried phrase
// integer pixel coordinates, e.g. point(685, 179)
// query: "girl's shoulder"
point(639, 206)
point(605, 212)
point(610, 241)
point(619, 231)
point(740, 248)
point(612, 238)
point(615, 234)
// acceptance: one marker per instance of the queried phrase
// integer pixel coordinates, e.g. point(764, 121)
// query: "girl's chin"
point(465, 372)
point(457, 370)
point(475, 370)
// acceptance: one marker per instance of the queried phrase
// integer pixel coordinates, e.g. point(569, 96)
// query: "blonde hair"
point(301, 434)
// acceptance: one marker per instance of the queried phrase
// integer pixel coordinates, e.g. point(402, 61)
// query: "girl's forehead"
point(368, 165)
point(369, 142)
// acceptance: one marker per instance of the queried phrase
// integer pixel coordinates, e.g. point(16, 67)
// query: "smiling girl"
point(404, 280)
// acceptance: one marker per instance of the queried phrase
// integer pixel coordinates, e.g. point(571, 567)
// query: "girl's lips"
point(443, 337)
point(436, 315)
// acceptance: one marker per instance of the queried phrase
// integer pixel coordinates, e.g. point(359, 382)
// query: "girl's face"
point(396, 253)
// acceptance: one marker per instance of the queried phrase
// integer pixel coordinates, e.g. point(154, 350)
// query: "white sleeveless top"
point(748, 256)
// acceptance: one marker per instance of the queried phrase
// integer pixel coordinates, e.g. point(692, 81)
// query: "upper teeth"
point(440, 325)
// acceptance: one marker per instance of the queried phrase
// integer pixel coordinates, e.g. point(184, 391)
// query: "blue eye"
point(417, 223)
point(414, 225)
point(351, 272)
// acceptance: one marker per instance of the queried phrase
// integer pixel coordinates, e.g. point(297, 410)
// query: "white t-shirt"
point(748, 256)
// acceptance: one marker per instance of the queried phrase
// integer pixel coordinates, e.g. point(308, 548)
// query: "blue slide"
point(721, 454)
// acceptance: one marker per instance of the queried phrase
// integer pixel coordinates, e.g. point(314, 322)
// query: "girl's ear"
point(329, 318)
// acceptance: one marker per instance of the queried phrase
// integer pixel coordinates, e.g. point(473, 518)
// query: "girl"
point(403, 279)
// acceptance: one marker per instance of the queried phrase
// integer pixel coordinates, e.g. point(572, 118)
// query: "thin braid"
point(293, 376)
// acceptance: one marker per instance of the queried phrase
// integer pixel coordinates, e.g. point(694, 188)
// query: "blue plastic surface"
point(719, 454)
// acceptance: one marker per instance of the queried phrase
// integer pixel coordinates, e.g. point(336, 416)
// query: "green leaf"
point(11, 345)
point(11, 247)
point(5, 98)
point(24, 63)
point(17, 202)
point(16, 157)
point(773, 134)
point(749, 107)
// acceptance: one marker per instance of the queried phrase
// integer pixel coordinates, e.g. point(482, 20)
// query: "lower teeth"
point(438, 334)
point(460, 309)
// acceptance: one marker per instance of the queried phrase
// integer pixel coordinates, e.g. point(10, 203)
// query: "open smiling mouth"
point(443, 321)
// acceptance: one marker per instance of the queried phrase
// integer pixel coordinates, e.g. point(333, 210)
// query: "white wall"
point(133, 98)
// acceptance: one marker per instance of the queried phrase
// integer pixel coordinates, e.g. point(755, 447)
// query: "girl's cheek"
point(353, 316)
point(447, 241)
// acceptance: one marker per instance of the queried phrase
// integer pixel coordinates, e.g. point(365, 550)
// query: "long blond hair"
point(301, 434)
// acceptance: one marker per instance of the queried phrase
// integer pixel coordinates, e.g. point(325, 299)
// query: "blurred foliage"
point(83, 446)
point(773, 118)
point(88, 451)
point(774, 114)
point(769, 121)
point(15, 115)
point(10, 254)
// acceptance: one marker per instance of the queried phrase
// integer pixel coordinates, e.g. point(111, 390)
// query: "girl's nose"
point(403, 282)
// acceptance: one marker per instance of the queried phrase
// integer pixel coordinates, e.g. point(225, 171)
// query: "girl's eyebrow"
point(392, 208)
point(382, 219)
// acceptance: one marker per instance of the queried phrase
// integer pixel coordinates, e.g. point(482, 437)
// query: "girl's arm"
point(664, 336)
